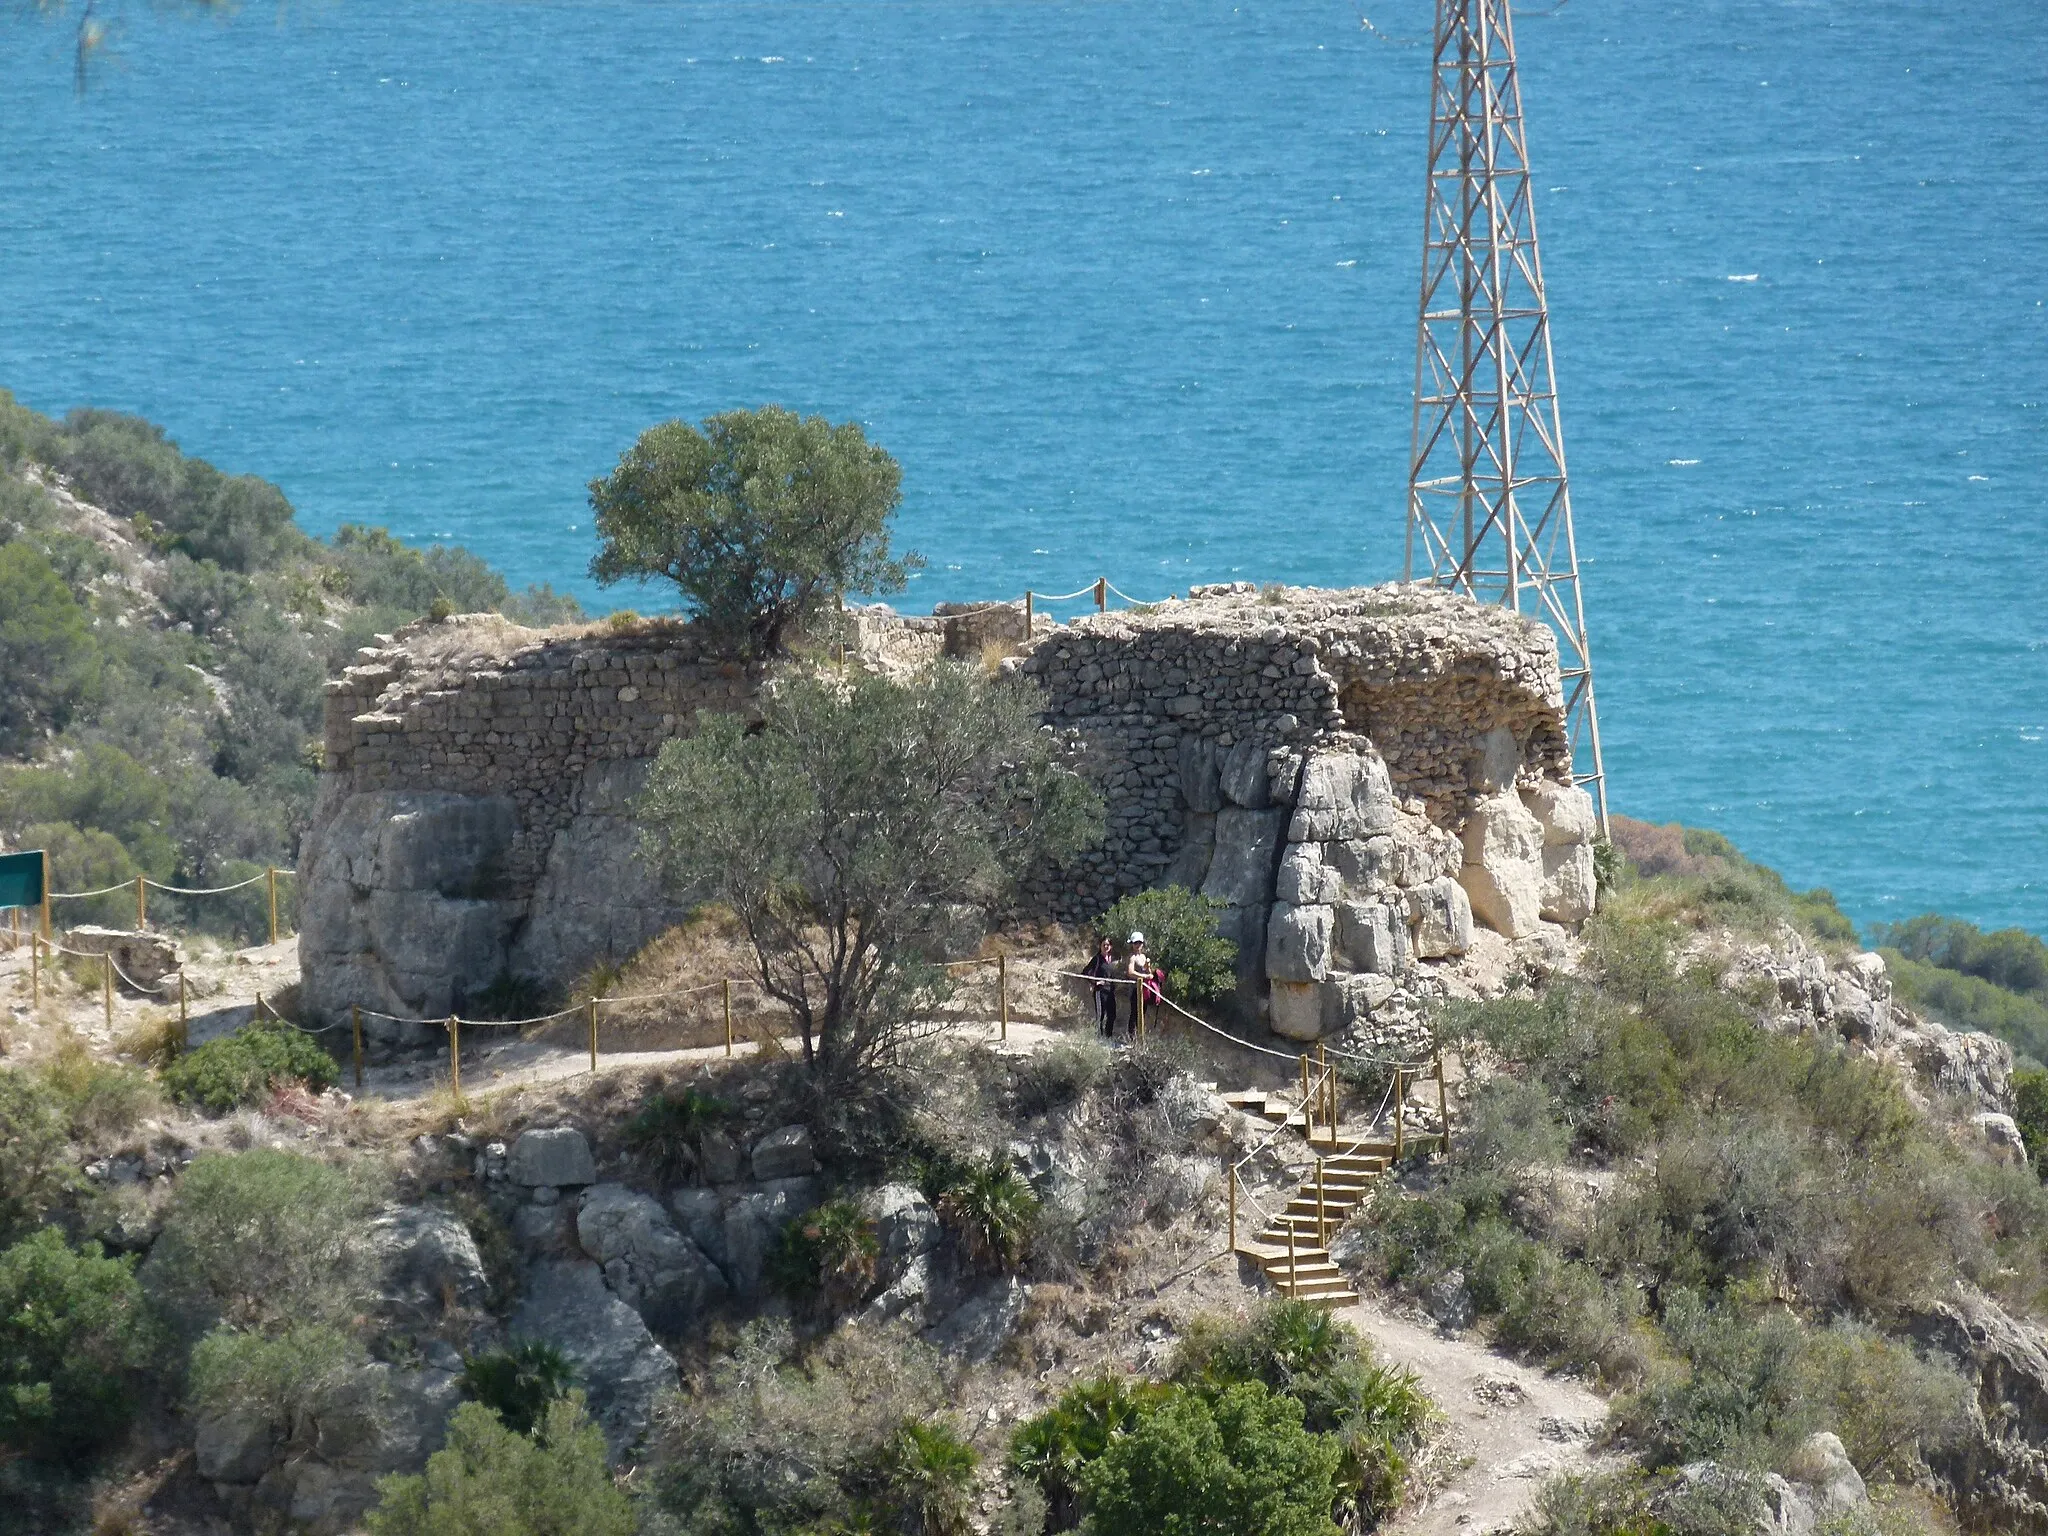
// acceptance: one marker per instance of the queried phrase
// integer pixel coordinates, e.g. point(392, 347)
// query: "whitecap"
point(1202, 172)
point(1351, 263)
point(1682, 462)
point(1742, 277)
point(774, 58)
point(1980, 477)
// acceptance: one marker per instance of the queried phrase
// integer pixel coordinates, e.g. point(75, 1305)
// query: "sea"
point(1129, 288)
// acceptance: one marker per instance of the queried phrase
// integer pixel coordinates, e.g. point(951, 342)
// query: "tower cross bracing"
point(1489, 503)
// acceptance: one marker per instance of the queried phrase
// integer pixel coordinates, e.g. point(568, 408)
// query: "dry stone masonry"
point(1368, 781)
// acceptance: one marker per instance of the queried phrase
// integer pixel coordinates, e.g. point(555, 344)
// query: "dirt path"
point(1511, 1426)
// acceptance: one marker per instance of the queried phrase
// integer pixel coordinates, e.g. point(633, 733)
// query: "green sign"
point(21, 879)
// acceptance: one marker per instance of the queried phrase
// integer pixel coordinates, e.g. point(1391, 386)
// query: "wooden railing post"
point(1027, 614)
point(35, 969)
point(1233, 1209)
point(1140, 987)
point(141, 905)
point(1400, 1093)
point(593, 1034)
point(1003, 995)
point(46, 894)
point(728, 1016)
point(1322, 1226)
point(185, 1021)
point(270, 876)
point(1101, 593)
point(107, 987)
point(455, 1054)
point(355, 1019)
point(1291, 1267)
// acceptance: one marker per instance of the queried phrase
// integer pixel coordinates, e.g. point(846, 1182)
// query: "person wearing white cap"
point(1137, 966)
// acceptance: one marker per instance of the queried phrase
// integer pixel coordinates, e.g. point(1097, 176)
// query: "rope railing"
point(141, 885)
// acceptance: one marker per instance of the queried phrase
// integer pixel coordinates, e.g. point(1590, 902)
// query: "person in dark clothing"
point(1102, 966)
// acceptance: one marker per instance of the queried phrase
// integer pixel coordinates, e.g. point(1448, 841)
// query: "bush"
point(518, 1383)
point(1046, 1081)
point(73, 1338)
point(311, 1382)
point(100, 1098)
point(47, 652)
point(35, 1171)
point(928, 1478)
point(1055, 1447)
point(1241, 1464)
point(244, 1067)
point(826, 1256)
point(1180, 934)
point(665, 1130)
point(762, 519)
point(988, 1205)
point(493, 1481)
point(2030, 1113)
point(262, 1240)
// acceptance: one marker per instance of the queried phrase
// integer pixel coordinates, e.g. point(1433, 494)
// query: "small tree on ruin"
point(841, 829)
point(763, 519)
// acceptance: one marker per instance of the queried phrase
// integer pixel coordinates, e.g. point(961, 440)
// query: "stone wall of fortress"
point(1353, 774)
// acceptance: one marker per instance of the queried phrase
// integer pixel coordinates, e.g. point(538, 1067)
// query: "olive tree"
point(841, 828)
point(762, 519)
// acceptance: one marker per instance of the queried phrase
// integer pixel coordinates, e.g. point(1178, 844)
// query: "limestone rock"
point(1364, 864)
point(1442, 918)
point(652, 1267)
point(1370, 937)
point(1241, 874)
point(1822, 1467)
point(1564, 811)
point(981, 1325)
point(555, 1158)
point(416, 1405)
point(784, 1153)
point(429, 1261)
point(1190, 866)
point(1569, 884)
point(1200, 770)
point(718, 1158)
point(752, 1223)
point(1304, 878)
point(1999, 1464)
point(1196, 1113)
point(1344, 795)
point(1503, 873)
point(1295, 1010)
point(906, 1227)
point(141, 959)
point(1242, 776)
point(905, 1293)
point(234, 1448)
point(1498, 762)
point(2002, 1134)
point(700, 1215)
point(1348, 1000)
point(620, 1366)
point(1298, 942)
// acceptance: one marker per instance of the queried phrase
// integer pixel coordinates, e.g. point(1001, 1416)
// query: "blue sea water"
point(1128, 287)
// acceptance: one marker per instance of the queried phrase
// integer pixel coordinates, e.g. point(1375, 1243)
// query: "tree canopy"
point(763, 518)
point(843, 828)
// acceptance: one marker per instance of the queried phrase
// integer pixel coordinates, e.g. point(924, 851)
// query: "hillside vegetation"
point(165, 629)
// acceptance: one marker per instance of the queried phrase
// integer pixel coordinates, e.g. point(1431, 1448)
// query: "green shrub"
point(1240, 1463)
point(826, 1256)
point(493, 1481)
point(35, 1171)
point(987, 1204)
point(243, 1067)
point(1054, 1448)
point(262, 1240)
point(666, 1129)
point(1890, 1404)
point(928, 1478)
point(47, 652)
point(100, 1098)
point(1607, 1504)
point(2010, 958)
point(2030, 1112)
point(519, 1382)
point(1181, 937)
point(73, 1339)
point(311, 1382)
point(1044, 1082)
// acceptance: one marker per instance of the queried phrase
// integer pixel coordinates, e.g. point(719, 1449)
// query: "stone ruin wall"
point(473, 822)
point(1351, 773)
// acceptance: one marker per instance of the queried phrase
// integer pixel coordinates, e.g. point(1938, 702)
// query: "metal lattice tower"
point(1489, 506)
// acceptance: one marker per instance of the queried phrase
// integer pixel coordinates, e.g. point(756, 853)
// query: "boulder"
point(623, 1371)
point(752, 1223)
point(651, 1266)
point(718, 1158)
point(700, 1214)
point(234, 1448)
point(1370, 937)
point(1348, 1000)
point(1241, 776)
point(1057, 1176)
point(1364, 864)
point(1304, 878)
point(784, 1153)
point(906, 1228)
point(1822, 1469)
point(141, 959)
point(1344, 795)
point(2002, 1134)
point(1564, 811)
point(1195, 1112)
point(553, 1158)
point(1295, 1010)
point(413, 1421)
point(1569, 884)
point(1965, 1063)
point(1441, 916)
point(906, 1293)
point(1241, 872)
point(1503, 872)
point(981, 1325)
point(429, 1260)
point(1298, 942)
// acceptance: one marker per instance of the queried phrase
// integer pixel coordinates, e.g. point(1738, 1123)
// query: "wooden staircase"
point(1292, 1247)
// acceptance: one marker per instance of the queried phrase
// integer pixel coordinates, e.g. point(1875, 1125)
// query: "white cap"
point(1137, 938)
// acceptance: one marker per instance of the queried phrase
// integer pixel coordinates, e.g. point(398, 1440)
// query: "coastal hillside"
point(165, 630)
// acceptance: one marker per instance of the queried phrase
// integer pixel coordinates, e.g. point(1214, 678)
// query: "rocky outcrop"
point(1997, 1472)
point(623, 1371)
